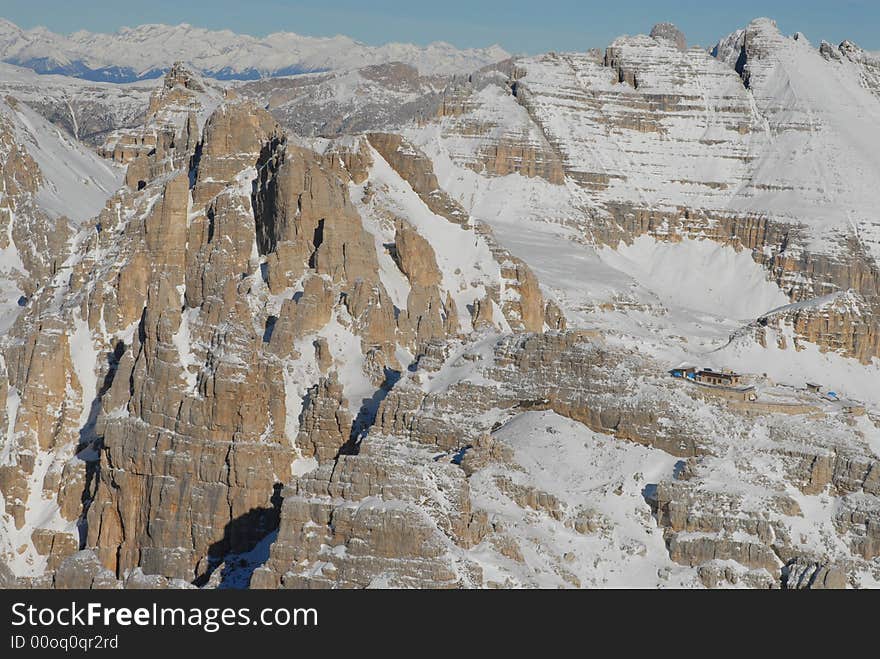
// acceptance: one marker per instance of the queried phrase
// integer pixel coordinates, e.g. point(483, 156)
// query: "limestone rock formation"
point(415, 256)
point(326, 423)
point(839, 323)
point(669, 32)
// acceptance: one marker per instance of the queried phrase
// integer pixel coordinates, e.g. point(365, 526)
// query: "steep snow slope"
point(87, 110)
point(146, 51)
point(464, 258)
point(823, 162)
point(48, 183)
point(698, 275)
point(11, 270)
point(76, 182)
point(672, 111)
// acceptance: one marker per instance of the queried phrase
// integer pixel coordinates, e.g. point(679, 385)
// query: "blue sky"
point(521, 26)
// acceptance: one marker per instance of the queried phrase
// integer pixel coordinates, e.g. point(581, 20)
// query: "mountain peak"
point(763, 23)
point(180, 75)
point(671, 33)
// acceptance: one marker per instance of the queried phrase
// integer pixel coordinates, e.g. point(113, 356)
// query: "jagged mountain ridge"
point(434, 352)
point(147, 51)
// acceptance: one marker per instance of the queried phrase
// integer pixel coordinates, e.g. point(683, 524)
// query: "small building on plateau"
point(723, 378)
point(684, 371)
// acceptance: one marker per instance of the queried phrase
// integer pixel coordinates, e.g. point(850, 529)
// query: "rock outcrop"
point(326, 423)
point(841, 323)
point(194, 388)
point(669, 32)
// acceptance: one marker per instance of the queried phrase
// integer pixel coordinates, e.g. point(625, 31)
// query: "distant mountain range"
point(147, 51)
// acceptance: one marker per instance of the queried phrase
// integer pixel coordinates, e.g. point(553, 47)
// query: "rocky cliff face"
point(432, 348)
point(233, 248)
point(41, 390)
point(841, 323)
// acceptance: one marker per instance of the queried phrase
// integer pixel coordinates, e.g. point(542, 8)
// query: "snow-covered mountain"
point(571, 320)
point(86, 110)
point(147, 51)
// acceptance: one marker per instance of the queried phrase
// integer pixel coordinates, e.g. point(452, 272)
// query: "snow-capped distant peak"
point(146, 51)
